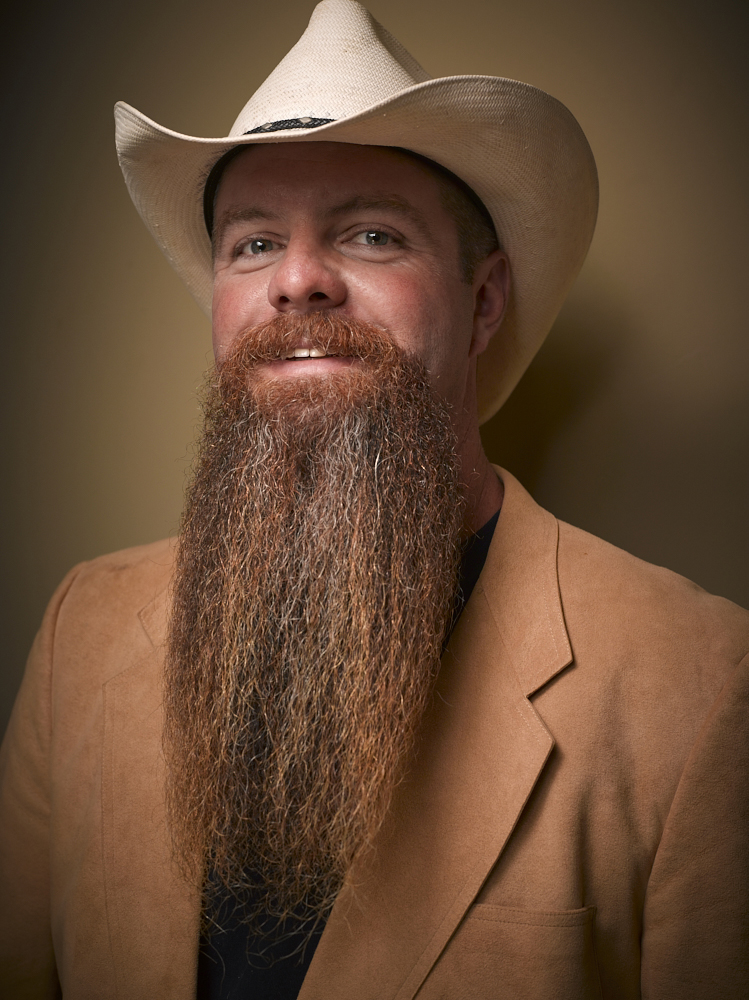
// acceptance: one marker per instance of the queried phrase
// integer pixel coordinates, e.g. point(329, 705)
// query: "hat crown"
point(344, 63)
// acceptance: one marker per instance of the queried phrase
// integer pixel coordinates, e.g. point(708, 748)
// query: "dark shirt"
point(234, 964)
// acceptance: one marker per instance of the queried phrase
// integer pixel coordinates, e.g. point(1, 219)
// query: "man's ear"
point(491, 292)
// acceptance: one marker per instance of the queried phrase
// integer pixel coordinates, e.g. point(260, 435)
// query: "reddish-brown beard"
point(316, 576)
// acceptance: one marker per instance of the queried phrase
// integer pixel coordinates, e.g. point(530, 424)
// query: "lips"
point(290, 361)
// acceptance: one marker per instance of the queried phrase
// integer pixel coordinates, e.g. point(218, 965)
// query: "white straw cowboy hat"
point(348, 80)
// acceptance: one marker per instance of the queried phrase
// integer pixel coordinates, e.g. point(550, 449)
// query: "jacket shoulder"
point(108, 611)
point(142, 562)
point(631, 604)
point(129, 577)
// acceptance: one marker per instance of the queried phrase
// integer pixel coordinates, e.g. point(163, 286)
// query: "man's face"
point(356, 230)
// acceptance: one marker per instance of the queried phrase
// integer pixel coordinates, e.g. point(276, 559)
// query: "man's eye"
point(258, 246)
point(374, 238)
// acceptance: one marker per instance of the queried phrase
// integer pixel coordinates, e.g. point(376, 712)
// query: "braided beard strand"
point(316, 574)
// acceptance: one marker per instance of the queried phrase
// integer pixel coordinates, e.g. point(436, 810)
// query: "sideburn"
point(315, 580)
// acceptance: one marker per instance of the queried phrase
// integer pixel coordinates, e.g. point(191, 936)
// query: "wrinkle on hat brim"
point(521, 151)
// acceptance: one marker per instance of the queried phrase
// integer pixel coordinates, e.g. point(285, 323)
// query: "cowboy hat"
point(348, 80)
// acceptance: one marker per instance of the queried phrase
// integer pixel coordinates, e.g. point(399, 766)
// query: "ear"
point(491, 292)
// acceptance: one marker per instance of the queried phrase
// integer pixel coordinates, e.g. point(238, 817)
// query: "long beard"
point(316, 576)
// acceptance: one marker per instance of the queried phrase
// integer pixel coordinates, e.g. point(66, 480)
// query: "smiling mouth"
point(314, 360)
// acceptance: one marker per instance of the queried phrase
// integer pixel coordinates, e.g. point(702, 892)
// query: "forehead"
point(325, 172)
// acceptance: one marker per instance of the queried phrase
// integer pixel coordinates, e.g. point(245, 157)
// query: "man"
point(553, 806)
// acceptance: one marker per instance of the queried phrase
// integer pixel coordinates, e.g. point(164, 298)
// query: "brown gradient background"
point(634, 420)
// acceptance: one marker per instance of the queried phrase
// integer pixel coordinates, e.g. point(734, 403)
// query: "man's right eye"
point(257, 247)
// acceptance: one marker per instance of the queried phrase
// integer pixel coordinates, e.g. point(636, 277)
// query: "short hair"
point(477, 237)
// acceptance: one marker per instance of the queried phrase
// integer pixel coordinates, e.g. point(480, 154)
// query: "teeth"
point(305, 352)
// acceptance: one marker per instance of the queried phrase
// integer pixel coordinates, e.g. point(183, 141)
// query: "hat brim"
point(521, 151)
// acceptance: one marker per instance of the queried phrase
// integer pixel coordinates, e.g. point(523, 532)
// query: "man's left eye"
point(374, 238)
point(258, 247)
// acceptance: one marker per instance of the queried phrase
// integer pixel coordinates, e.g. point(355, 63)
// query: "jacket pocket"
point(503, 953)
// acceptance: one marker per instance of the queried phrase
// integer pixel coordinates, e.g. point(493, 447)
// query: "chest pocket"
point(502, 953)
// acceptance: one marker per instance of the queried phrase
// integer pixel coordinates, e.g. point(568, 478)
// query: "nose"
point(306, 280)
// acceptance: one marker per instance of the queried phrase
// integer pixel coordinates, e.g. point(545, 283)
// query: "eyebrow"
point(232, 216)
point(380, 203)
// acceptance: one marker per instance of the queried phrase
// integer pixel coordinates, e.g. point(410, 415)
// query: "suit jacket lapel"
point(481, 751)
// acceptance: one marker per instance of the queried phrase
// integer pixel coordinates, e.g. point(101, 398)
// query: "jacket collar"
point(521, 583)
point(481, 751)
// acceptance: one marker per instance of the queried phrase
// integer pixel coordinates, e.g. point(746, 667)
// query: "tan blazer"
point(576, 823)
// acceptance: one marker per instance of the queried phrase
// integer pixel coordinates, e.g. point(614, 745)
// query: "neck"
point(483, 487)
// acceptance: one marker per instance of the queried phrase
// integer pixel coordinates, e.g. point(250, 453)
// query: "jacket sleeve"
point(27, 963)
point(696, 917)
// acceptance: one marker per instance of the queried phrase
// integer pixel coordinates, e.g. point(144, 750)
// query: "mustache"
point(331, 334)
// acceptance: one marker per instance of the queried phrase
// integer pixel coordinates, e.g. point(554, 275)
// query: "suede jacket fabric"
point(575, 824)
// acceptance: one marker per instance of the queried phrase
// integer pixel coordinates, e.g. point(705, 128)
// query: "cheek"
point(234, 308)
point(412, 310)
point(440, 325)
point(447, 330)
point(222, 328)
